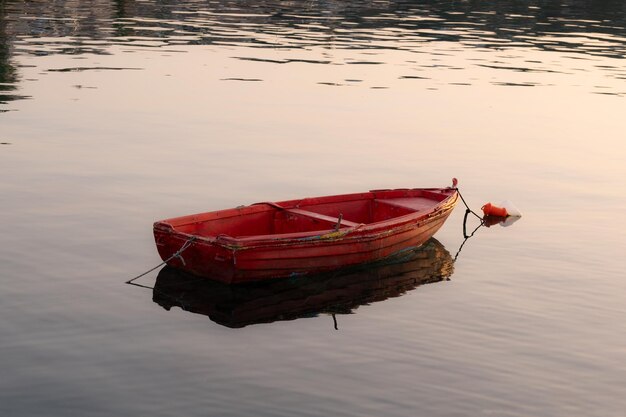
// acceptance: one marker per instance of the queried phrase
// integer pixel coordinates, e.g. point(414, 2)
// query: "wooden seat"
point(413, 203)
point(323, 217)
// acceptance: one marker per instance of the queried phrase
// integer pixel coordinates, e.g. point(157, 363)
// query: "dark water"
point(117, 114)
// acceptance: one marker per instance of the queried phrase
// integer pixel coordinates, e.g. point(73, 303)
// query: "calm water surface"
point(117, 114)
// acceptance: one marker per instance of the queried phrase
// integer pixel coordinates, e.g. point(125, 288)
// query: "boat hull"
point(239, 260)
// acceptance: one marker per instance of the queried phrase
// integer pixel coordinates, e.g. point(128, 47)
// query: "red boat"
point(297, 237)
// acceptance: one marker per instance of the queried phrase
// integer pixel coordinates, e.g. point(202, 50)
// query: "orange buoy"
point(491, 210)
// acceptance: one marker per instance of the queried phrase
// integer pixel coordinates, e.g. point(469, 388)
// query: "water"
point(117, 114)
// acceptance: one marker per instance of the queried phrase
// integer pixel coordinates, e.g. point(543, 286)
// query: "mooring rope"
point(465, 235)
point(466, 206)
point(176, 254)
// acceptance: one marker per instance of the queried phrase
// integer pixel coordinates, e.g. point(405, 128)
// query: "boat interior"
point(308, 215)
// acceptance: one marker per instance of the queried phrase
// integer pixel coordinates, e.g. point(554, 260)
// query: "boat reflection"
point(340, 292)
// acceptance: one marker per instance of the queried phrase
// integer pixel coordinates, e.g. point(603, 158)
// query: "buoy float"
point(495, 211)
point(504, 209)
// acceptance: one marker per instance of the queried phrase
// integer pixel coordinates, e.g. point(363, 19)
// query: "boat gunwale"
point(361, 232)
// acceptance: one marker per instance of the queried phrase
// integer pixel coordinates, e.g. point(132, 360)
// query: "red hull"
point(272, 240)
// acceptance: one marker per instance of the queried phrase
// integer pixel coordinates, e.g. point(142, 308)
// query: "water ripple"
point(574, 31)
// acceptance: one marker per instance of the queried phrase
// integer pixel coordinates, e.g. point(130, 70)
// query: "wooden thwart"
point(323, 217)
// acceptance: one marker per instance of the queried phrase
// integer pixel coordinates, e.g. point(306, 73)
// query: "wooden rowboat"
point(296, 237)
